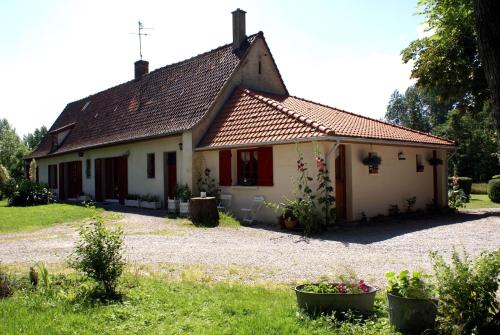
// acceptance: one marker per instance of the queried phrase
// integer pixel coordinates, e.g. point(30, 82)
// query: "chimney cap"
point(238, 10)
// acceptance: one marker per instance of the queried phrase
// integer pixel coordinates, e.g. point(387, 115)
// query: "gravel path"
point(265, 253)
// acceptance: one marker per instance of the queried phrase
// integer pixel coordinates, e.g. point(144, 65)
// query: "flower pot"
point(150, 204)
point(172, 205)
point(315, 303)
point(412, 316)
point(281, 221)
point(132, 203)
point(84, 198)
point(291, 223)
point(184, 208)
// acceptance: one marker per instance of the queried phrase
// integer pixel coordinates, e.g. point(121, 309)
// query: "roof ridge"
point(297, 116)
point(372, 119)
point(260, 33)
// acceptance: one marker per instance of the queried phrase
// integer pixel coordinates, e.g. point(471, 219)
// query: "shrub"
point(99, 255)
point(497, 176)
point(415, 286)
point(6, 289)
point(183, 192)
point(456, 196)
point(494, 190)
point(467, 292)
point(27, 193)
point(465, 183)
point(133, 197)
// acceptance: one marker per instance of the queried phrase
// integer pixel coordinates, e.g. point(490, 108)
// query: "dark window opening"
point(248, 162)
point(151, 165)
point(87, 168)
point(55, 143)
point(420, 164)
point(52, 176)
point(260, 67)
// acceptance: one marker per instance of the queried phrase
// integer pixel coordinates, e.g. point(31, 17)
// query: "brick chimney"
point(141, 69)
point(239, 34)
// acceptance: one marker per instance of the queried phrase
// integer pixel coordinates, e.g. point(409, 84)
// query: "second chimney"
point(141, 69)
point(239, 34)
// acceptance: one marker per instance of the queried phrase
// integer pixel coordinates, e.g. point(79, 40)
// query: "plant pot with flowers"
point(412, 306)
point(345, 294)
point(372, 161)
point(150, 202)
point(132, 200)
point(184, 195)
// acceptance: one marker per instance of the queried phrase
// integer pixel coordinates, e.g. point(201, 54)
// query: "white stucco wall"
point(284, 174)
point(138, 183)
point(396, 181)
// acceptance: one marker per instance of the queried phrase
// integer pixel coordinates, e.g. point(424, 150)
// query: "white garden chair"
point(225, 202)
point(249, 214)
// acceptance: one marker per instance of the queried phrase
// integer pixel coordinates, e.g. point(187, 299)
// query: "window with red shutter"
point(225, 168)
point(255, 167)
point(265, 166)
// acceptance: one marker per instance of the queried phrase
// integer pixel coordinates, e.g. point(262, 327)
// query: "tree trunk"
point(487, 19)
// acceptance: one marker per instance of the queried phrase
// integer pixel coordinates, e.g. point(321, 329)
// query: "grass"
point(154, 305)
point(14, 219)
point(481, 201)
point(479, 188)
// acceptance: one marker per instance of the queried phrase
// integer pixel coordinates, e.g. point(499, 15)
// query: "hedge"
point(465, 184)
point(494, 190)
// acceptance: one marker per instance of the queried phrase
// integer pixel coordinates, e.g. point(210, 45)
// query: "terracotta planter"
point(315, 303)
point(291, 223)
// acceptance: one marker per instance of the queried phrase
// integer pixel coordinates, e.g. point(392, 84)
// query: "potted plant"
point(83, 197)
point(132, 200)
point(172, 205)
point(372, 161)
point(150, 202)
point(412, 306)
point(342, 295)
point(184, 195)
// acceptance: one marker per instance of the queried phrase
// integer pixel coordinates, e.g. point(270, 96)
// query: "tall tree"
point(447, 61)
point(487, 23)
point(12, 149)
point(408, 110)
point(32, 140)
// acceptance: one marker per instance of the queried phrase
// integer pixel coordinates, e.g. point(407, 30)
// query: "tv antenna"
point(140, 34)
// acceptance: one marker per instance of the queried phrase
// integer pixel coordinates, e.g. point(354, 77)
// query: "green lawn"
point(29, 218)
point(481, 201)
point(162, 306)
point(479, 188)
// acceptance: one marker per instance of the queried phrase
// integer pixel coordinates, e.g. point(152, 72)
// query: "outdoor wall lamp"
point(180, 146)
point(401, 156)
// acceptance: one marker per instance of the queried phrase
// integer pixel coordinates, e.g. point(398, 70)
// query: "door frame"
point(166, 186)
point(341, 187)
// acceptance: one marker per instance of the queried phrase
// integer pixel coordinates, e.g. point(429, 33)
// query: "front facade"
point(228, 110)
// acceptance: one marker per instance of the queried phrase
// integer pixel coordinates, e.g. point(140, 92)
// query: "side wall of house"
point(138, 182)
point(284, 175)
point(396, 180)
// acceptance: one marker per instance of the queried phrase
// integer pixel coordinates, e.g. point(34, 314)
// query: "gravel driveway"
point(266, 253)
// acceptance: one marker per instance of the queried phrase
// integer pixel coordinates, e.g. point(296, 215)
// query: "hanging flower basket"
point(372, 161)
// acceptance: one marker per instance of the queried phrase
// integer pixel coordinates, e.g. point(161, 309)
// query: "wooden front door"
point(74, 178)
point(169, 175)
point(122, 178)
point(340, 184)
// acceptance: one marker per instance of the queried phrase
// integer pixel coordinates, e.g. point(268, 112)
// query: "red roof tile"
point(166, 101)
point(248, 115)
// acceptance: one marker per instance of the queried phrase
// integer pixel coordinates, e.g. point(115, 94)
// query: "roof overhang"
point(341, 139)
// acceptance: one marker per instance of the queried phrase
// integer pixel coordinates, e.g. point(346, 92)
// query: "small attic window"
point(86, 105)
point(260, 67)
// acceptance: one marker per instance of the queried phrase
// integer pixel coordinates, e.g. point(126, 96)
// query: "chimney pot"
point(141, 69)
point(239, 33)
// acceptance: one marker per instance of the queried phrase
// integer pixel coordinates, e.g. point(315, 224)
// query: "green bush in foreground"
point(467, 292)
point(99, 255)
point(494, 190)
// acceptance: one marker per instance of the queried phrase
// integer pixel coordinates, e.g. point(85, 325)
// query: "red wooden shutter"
point(225, 168)
point(265, 166)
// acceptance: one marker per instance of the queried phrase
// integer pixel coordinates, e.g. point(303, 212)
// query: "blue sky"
point(341, 53)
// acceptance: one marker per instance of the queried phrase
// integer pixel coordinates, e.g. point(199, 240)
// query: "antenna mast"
point(139, 33)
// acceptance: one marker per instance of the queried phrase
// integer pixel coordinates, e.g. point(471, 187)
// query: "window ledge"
point(244, 187)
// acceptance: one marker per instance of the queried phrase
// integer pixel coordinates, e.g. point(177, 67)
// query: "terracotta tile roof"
point(164, 102)
point(255, 117)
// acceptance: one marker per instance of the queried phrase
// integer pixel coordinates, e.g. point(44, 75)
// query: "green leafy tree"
point(409, 110)
point(32, 140)
point(12, 150)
